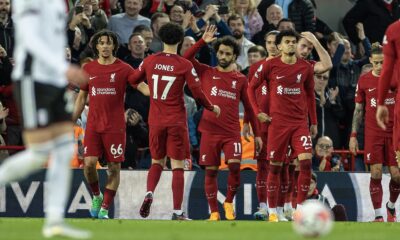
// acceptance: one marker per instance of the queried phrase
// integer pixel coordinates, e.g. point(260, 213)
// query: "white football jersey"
point(40, 35)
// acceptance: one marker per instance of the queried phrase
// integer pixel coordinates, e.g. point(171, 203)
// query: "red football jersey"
point(106, 87)
point(391, 64)
point(291, 90)
point(166, 75)
point(261, 95)
point(225, 89)
point(367, 94)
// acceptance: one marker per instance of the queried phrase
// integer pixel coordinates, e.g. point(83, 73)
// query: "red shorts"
point(171, 141)
point(379, 150)
point(111, 144)
point(280, 136)
point(262, 155)
point(211, 146)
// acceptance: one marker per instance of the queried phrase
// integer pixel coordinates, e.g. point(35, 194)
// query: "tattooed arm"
point(357, 118)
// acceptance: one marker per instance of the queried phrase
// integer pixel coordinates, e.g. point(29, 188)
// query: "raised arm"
point(325, 63)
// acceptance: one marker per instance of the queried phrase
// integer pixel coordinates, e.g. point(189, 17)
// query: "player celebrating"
point(262, 100)
point(226, 88)
point(167, 73)
point(105, 130)
point(291, 87)
point(378, 143)
point(391, 52)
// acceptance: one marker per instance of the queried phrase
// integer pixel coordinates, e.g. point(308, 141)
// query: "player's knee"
point(395, 176)
point(234, 167)
point(376, 172)
point(114, 171)
point(90, 162)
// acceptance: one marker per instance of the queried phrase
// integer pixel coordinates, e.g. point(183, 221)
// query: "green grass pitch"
point(29, 228)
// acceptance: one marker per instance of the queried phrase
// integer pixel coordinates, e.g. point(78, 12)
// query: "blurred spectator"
point(98, 18)
point(301, 12)
point(157, 21)
point(323, 159)
point(247, 9)
point(177, 13)
point(285, 24)
point(137, 49)
point(124, 23)
point(6, 27)
point(254, 54)
point(236, 23)
point(79, 30)
point(329, 109)
point(339, 211)
point(3, 128)
point(322, 30)
point(376, 15)
point(147, 34)
point(186, 44)
point(14, 129)
point(273, 16)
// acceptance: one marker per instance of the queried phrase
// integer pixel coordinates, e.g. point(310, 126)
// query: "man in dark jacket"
point(6, 27)
point(301, 12)
point(376, 15)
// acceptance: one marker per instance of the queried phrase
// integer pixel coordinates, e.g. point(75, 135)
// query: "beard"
point(237, 34)
point(224, 64)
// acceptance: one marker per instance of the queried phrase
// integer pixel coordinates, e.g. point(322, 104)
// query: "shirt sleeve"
point(194, 85)
point(360, 94)
point(248, 109)
point(255, 82)
point(250, 77)
point(85, 85)
point(137, 76)
point(190, 55)
point(389, 52)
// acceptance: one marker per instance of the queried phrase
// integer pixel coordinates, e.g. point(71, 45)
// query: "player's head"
point(171, 33)
point(287, 41)
point(270, 45)
point(376, 58)
point(227, 50)
point(304, 48)
point(256, 53)
point(105, 44)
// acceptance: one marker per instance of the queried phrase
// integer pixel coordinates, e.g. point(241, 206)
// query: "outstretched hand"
point(208, 35)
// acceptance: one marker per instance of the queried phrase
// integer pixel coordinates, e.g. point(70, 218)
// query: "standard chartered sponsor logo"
point(264, 90)
point(103, 91)
point(390, 101)
point(287, 91)
point(279, 90)
point(373, 102)
point(214, 91)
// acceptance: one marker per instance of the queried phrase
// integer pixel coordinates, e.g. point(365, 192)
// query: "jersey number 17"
point(170, 80)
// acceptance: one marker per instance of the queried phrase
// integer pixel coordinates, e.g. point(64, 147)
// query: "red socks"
point(394, 189)
point(273, 185)
point(94, 187)
point(292, 182)
point(284, 185)
point(261, 181)
point(108, 198)
point(153, 177)
point(375, 189)
point(211, 189)
point(304, 180)
point(177, 187)
point(233, 181)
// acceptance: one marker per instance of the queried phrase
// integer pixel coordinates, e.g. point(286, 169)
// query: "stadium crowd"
point(337, 62)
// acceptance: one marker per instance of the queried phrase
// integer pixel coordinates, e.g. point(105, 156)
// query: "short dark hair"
point(156, 16)
point(285, 20)
point(171, 33)
point(230, 42)
point(134, 35)
point(141, 28)
point(259, 49)
point(286, 33)
point(376, 48)
point(110, 35)
point(273, 32)
point(234, 17)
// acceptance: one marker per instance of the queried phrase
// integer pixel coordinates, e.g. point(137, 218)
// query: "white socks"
point(58, 178)
point(22, 164)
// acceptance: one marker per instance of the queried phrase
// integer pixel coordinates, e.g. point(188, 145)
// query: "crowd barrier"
point(25, 199)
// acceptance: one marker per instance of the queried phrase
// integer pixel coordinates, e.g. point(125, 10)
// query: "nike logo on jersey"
point(214, 77)
point(371, 89)
point(279, 77)
point(236, 154)
point(91, 78)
